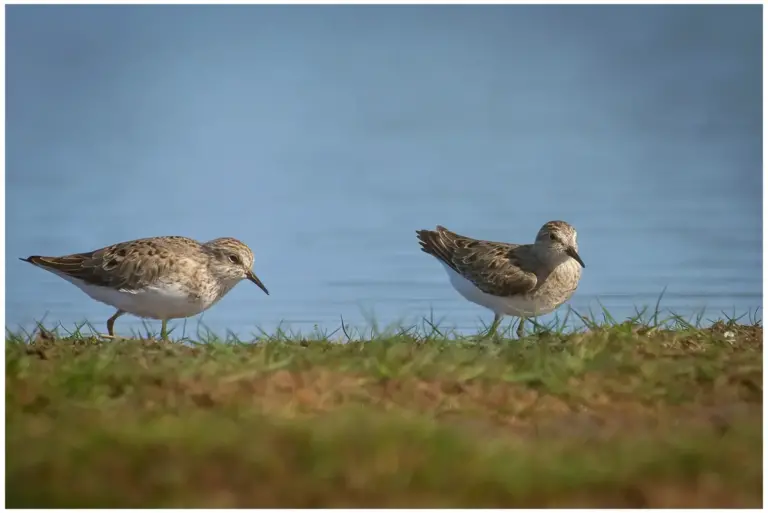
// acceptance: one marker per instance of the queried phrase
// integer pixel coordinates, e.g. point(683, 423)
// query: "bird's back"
point(131, 265)
point(497, 268)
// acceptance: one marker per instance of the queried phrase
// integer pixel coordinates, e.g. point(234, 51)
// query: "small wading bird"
point(157, 278)
point(522, 280)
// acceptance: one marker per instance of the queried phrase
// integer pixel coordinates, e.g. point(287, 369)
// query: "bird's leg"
point(164, 330)
point(111, 322)
point(496, 320)
point(521, 328)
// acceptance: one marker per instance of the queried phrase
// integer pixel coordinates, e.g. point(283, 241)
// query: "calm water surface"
point(324, 136)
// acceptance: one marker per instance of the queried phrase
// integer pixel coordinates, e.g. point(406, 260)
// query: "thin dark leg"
point(521, 328)
point(111, 323)
point(494, 326)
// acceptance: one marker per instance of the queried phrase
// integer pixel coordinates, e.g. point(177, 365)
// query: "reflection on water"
point(324, 137)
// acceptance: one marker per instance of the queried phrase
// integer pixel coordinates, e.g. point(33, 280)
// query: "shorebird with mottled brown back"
point(522, 280)
point(157, 278)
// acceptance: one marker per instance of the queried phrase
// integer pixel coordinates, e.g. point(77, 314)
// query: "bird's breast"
point(160, 301)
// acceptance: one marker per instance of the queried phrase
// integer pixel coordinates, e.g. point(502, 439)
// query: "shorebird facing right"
point(158, 277)
point(522, 280)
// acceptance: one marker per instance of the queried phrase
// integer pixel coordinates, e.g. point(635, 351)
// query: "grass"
point(634, 414)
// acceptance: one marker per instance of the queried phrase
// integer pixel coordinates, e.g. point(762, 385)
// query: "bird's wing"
point(120, 266)
point(495, 268)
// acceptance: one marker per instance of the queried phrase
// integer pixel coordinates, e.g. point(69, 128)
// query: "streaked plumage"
point(159, 277)
point(523, 280)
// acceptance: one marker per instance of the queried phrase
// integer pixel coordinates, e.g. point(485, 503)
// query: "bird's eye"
point(552, 236)
point(234, 259)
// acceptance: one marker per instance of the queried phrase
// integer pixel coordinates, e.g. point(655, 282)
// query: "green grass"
point(637, 414)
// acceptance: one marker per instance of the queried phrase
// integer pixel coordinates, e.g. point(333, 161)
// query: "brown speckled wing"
point(494, 267)
point(121, 266)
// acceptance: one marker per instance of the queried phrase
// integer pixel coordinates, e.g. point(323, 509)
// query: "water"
point(324, 136)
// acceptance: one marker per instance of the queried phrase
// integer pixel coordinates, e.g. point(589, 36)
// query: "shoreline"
point(623, 416)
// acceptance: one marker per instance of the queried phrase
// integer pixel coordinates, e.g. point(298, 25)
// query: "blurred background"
point(324, 136)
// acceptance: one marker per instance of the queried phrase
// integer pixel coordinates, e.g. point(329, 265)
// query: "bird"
point(521, 280)
point(163, 278)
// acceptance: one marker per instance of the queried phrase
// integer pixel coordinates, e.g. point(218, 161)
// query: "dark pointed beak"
point(572, 253)
point(252, 277)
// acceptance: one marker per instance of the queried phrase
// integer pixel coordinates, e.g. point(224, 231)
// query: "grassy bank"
point(620, 416)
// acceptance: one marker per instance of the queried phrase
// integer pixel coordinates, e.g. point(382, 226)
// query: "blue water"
point(324, 136)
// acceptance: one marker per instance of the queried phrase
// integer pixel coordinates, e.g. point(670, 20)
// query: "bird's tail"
point(440, 243)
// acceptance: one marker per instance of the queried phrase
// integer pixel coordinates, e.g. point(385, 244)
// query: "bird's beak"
point(252, 277)
point(572, 253)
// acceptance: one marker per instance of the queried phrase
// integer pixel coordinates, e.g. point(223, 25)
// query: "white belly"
point(156, 302)
point(518, 306)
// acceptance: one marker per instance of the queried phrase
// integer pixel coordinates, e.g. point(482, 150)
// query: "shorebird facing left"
point(522, 280)
point(159, 277)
